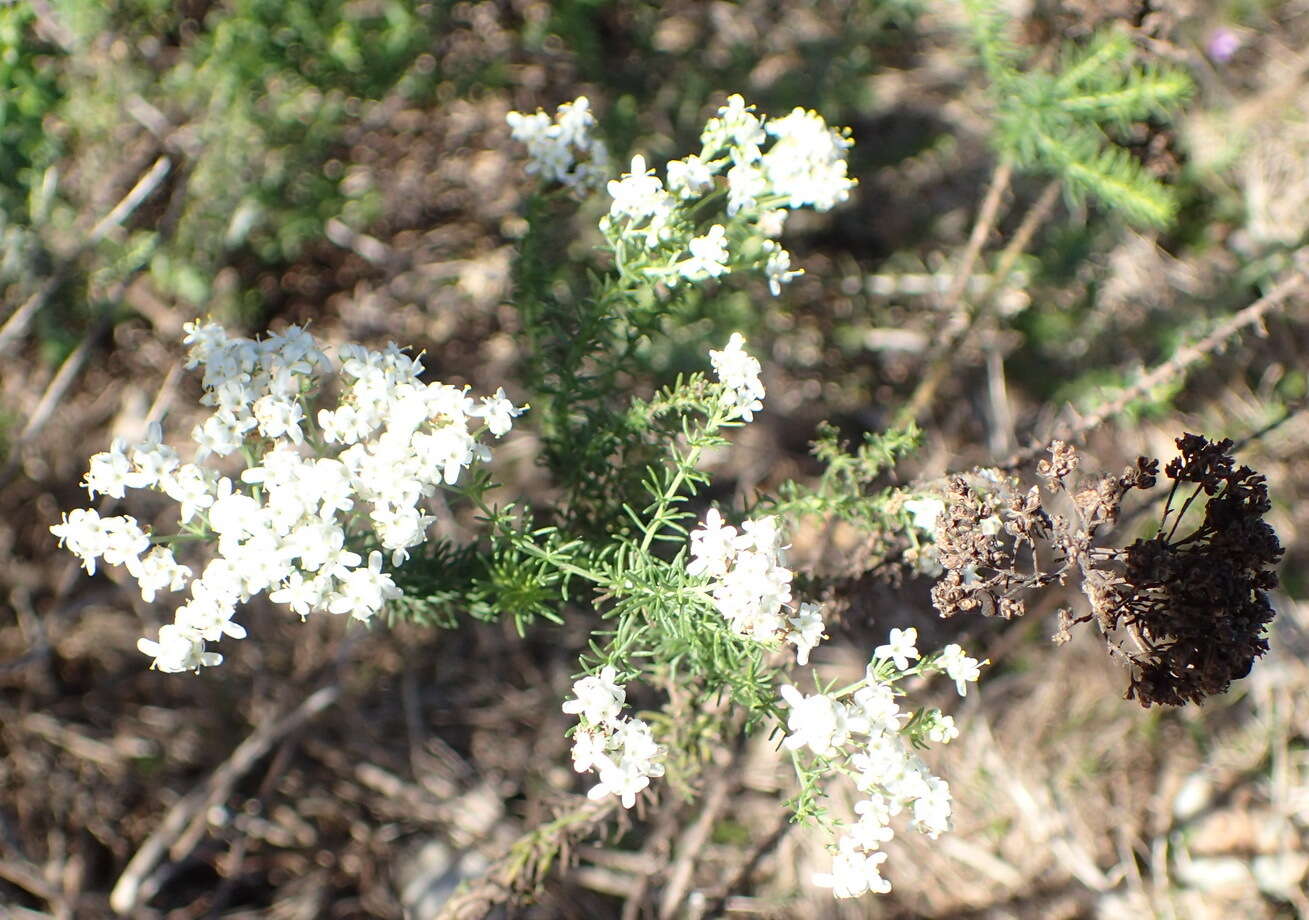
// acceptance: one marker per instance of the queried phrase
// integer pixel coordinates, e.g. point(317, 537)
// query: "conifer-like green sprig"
point(1056, 119)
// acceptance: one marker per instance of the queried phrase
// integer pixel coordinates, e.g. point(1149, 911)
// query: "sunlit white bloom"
point(739, 374)
point(286, 523)
point(158, 570)
point(735, 126)
point(708, 258)
point(498, 412)
point(689, 177)
point(299, 593)
point(564, 149)
point(854, 873)
point(108, 472)
point(712, 545)
point(85, 534)
point(364, 590)
point(959, 667)
point(745, 183)
point(877, 704)
point(621, 752)
point(622, 778)
point(880, 766)
point(589, 743)
point(125, 541)
point(598, 697)
point(932, 809)
point(639, 200)
point(818, 722)
point(778, 267)
point(807, 162)
point(900, 649)
point(806, 631)
point(942, 729)
point(177, 650)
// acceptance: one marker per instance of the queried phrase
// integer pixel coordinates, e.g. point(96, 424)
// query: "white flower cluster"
point(866, 738)
point(563, 149)
point(738, 372)
point(750, 583)
point(284, 526)
point(622, 751)
point(803, 166)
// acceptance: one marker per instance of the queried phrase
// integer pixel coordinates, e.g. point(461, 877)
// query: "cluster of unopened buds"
point(756, 169)
point(313, 484)
point(861, 732)
point(621, 751)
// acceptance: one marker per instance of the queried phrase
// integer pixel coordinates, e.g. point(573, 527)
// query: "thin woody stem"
point(964, 322)
point(1177, 365)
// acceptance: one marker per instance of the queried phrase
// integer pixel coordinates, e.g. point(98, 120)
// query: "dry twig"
point(941, 360)
point(1174, 367)
point(139, 883)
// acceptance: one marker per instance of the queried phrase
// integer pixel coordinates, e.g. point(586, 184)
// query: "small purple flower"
point(1222, 44)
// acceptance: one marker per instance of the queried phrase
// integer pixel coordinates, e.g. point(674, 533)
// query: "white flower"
point(818, 722)
point(735, 126)
point(622, 752)
point(640, 200)
point(125, 541)
point(158, 570)
point(806, 162)
point(739, 374)
point(806, 631)
point(900, 648)
point(191, 489)
point(712, 546)
point(563, 149)
point(959, 667)
point(498, 412)
point(942, 729)
point(633, 758)
point(877, 704)
point(623, 779)
point(745, 183)
point(932, 809)
point(881, 765)
point(299, 593)
point(287, 522)
point(108, 472)
point(689, 177)
point(598, 698)
point(778, 267)
point(589, 743)
point(363, 591)
point(872, 829)
point(82, 532)
point(854, 873)
point(708, 256)
point(178, 650)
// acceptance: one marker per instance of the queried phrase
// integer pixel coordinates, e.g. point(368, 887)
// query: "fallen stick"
point(137, 884)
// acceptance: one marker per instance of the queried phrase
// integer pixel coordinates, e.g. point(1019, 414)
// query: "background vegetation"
point(1053, 200)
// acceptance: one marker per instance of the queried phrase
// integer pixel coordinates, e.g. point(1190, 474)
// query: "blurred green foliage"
point(29, 91)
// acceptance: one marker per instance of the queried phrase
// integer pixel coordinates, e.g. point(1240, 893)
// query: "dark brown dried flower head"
point(1195, 604)
point(1187, 612)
